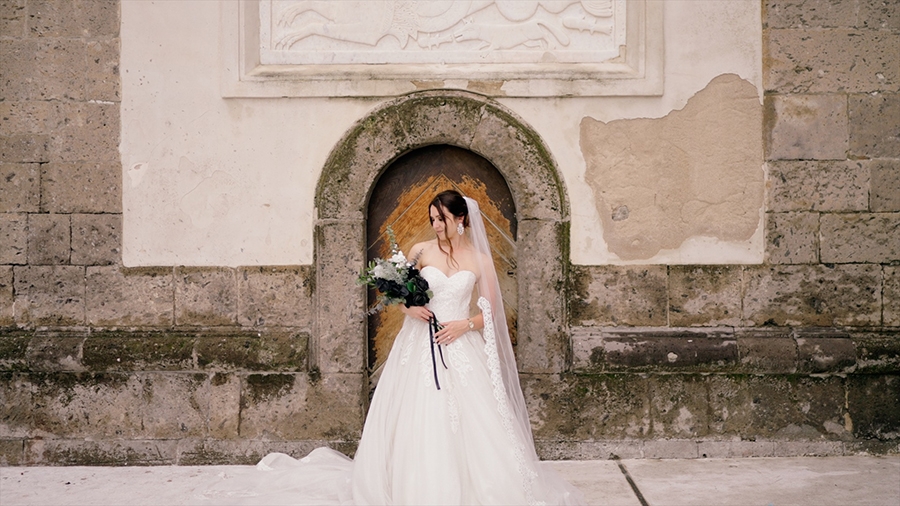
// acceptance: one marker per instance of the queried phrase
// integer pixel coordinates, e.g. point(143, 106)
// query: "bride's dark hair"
point(456, 204)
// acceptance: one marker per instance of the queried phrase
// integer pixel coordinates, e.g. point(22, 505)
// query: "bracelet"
point(471, 324)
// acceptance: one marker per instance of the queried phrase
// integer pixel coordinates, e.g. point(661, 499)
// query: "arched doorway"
point(400, 200)
point(338, 342)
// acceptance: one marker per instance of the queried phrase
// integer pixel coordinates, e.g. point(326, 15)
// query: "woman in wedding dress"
point(468, 441)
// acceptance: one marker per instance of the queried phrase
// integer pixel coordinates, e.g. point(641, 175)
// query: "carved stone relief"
point(322, 32)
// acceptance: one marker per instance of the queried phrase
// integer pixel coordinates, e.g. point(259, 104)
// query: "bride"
point(467, 442)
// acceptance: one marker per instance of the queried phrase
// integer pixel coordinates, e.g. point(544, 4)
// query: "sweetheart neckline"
point(446, 276)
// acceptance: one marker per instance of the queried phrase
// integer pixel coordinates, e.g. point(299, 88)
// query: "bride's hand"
point(451, 331)
point(417, 312)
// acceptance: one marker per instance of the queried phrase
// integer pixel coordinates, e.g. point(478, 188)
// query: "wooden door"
point(400, 199)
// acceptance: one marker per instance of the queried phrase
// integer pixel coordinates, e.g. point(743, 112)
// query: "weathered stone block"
point(244, 452)
point(589, 450)
point(224, 405)
point(12, 451)
point(7, 297)
point(96, 239)
point(542, 339)
point(704, 295)
point(679, 407)
point(275, 296)
point(809, 14)
point(877, 352)
point(121, 406)
point(339, 342)
point(24, 148)
point(20, 189)
point(778, 407)
point(874, 406)
point(771, 351)
point(81, 452)
point(891, 294)
point(12, 22)
point(832, 60)
point(13, 238)
point(81, 188)
point(884, 195)
point(41, 69)
point(802, 185)
point(861, 237)
point(13, 350)
point(55, 351)
point(670, 449)
point(875, 121)
point(79, 19)
point(205, 296)
point(808, 449)
point(612, 295)
point(138, 351)
point(117, 296)
point(806, 127)
point(16, 419)
point(879, 15)
point(49, 295)
point(432, 120)
point(735, 449)
point(49, 239)
point(813, 295)
point(654, 349)
point(588, 407)
point(292, 406)
point(91, 134)
point(102, 73)
point(824, 354)
point(792, 238)
point(29, 117)
point(254, 351)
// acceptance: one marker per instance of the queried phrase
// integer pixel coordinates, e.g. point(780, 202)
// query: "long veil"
point(540, 481)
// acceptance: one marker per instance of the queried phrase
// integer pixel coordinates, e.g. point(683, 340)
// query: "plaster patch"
point(697, 172)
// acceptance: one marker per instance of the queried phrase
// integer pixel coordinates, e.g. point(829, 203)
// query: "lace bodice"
point(452, 295)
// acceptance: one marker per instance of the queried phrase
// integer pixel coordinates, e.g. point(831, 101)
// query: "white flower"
point(379, 271)
point(398, 259)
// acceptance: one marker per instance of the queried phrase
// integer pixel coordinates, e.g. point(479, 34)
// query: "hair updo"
point(452, 201)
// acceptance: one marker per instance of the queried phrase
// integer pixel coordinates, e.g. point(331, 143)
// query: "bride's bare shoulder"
point(422, 248)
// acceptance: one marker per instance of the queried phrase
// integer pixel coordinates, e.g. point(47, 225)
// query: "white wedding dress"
point(420, 445)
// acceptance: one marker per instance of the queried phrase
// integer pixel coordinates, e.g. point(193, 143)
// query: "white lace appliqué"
point(493, 362)
point(459, 361)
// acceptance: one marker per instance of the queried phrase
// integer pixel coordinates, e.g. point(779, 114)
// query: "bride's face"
point(441, 222)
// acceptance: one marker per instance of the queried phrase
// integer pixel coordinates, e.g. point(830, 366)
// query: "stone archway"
point(471, 122)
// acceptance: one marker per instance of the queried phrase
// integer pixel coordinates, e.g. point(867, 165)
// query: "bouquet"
point(397, 280)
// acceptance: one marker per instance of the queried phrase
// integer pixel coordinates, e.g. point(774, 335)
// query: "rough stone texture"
point(49, 295)
point(119, 296)
point(736, 449)
point(618, 296)
point(93, 18)
point(589, 450)
point(670, 449)
point(704, 295)
point(779, 407)
point(13, 350)
point(818, 186)
point(288, 406)
point(96, 239)
point(16, 419)
point(813, 295)
point(7, 297)
point(12, 452)
point(885, 193)
point(861, 237)
point(13, 238)
point(12, 21)
point(20, 189)
point(587, 407)
point(275, 296)
point(891, 295)
point(542, 345)
point(767, 351)
point(876, 351)
point(810, 13)
point(679, 407)
point(253, 351)
point(55, 351)
point(339, 340)
point(879, 14)
point(24, 148)
point(825, 354)
point(92, 133)
point(81, 188)
point(872, 406)
point(249, 452)
point(695, 172)
point(835, 60)
point(874, 123)
point(205, 296)
point(121, 405)
point(117, 452)
point(49, 239)
point(806, 127)
point(792, 238)
point(224, 406)
point(131, 351)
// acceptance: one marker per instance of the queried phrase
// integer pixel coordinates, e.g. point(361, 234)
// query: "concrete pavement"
point(820, 481)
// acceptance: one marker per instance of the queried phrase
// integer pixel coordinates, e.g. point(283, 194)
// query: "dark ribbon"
point(434, 326)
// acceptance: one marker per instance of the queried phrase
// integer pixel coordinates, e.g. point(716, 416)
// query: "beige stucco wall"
point(214, 181)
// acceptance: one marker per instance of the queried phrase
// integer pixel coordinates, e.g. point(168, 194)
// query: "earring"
point(460, 229)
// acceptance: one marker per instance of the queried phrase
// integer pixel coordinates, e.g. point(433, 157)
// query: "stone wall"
point(101, 364)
